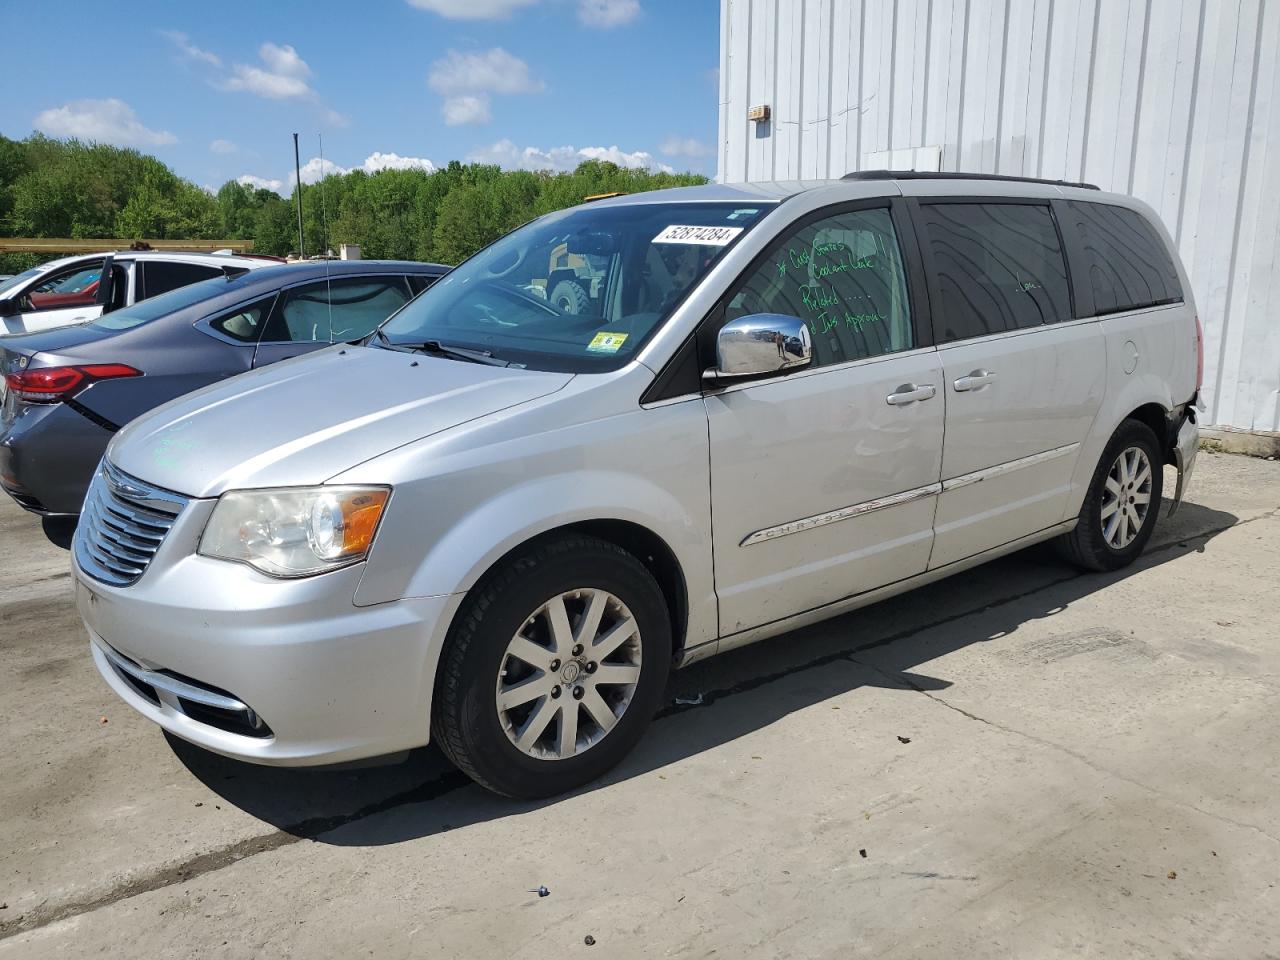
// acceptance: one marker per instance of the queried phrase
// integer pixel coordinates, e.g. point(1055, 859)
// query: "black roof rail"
point(927, 175)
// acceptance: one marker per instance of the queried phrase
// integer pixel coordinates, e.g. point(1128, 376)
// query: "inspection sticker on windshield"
point(607, 342)
point(701, 236)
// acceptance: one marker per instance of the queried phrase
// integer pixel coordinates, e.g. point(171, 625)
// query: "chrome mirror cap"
point(758, 344)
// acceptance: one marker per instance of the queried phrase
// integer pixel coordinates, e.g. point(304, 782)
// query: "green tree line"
point(67, 188)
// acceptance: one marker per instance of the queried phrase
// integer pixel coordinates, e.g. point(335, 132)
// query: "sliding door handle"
point(910, 393)
point(975, 381)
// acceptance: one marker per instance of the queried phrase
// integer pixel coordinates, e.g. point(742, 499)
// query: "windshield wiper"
point(443, 350)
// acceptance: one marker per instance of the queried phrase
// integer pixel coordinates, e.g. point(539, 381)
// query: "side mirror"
point(759, 344)
point(9, 308)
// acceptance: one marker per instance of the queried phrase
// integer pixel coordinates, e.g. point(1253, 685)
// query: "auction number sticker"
point(700, 236)
point(607, 342)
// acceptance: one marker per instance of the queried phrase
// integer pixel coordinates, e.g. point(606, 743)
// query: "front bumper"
point(321, 680)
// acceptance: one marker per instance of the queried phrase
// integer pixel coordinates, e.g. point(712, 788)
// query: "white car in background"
point(71, 290)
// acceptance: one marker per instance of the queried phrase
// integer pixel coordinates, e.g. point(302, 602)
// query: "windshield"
point(18, 280)
point(577, 291)
point(145, 311)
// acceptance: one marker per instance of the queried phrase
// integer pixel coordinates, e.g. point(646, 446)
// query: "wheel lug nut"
point(555, 692)
point(578, 693)
point(577, 650)
point(591, 667)
point(554, 666)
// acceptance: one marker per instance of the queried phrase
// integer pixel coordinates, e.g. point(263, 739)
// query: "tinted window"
point(1129, 265)
point(844, 277)
point(329, 311)
point(420, 282)
point(161, 276)
point(999, 267)
point(244, 323)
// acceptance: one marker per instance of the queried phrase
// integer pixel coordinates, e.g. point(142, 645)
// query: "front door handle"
point(910, 393)
point(975, 381)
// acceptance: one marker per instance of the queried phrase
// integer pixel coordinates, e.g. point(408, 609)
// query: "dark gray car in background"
point(65, 392)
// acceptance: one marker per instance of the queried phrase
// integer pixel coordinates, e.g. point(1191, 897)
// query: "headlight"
point(294, 531)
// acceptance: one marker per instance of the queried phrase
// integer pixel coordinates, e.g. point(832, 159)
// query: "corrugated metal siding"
point(1174, 101)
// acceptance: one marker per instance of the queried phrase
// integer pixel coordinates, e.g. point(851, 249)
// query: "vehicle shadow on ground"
point(710, 703)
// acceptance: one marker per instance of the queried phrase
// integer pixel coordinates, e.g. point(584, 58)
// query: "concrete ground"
point(1020, 762)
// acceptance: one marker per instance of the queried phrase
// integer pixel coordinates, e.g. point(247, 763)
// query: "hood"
point(305, 420)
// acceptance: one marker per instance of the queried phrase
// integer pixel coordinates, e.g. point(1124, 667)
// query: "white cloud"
point(466, 80)
point(506, 154)
point(223, 146)
point(393, 161)
point(282, 76)
point(316, 169)
point(103, 121)
point(260, 183)
point(675, 146)
point(189, 49)
point(469, 108)
point(607, 13)
point(492, 71)
point(472, 9)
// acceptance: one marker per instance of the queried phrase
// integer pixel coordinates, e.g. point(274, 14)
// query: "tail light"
point(53, 384)
point(1199, 354)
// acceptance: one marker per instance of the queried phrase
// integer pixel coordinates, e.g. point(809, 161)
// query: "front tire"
point(555, 666)
point(1120, 510)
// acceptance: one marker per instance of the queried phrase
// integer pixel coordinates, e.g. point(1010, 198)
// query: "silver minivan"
point(498, 522)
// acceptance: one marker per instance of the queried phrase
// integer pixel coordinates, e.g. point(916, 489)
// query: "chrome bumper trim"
point(172, 686)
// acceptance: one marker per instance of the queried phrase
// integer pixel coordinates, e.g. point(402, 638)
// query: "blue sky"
point(216, 90)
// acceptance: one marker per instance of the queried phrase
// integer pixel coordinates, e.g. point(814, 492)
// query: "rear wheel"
point(555, 669)
point(1120, 510)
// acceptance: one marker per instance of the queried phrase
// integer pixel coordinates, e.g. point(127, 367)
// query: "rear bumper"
point(48, 453)
point(1185, 448)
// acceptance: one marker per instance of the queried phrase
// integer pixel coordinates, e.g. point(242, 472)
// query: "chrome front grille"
point(122, 524)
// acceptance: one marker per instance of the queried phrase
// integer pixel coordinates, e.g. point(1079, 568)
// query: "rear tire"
point(1120, 510)
point(535, 692)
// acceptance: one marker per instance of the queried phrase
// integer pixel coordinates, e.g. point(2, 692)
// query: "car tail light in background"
point(1199, 354)
point(52, 384)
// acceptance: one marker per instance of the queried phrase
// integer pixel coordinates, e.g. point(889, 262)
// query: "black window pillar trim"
point(1077, 262)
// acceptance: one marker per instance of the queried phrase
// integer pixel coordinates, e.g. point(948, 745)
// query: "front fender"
point(457, 513)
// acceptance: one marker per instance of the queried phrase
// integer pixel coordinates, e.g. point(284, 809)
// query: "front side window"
point(329, 311)
point(844, 276)
point(999, 267)
point(577, 291)
point(1129, 265)
point(71, 287)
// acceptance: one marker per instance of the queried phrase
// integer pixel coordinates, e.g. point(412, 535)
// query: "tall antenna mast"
point(297, 172)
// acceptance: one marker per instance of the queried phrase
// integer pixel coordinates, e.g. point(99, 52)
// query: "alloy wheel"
point(1126, 497)
point(569, 674)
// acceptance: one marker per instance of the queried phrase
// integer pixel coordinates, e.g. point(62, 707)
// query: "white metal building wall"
point(1173, 101)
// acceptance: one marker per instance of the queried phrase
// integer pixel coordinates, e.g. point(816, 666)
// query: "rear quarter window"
point(1129, 267)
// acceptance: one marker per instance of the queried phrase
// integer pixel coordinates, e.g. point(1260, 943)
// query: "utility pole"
point(297, 172)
